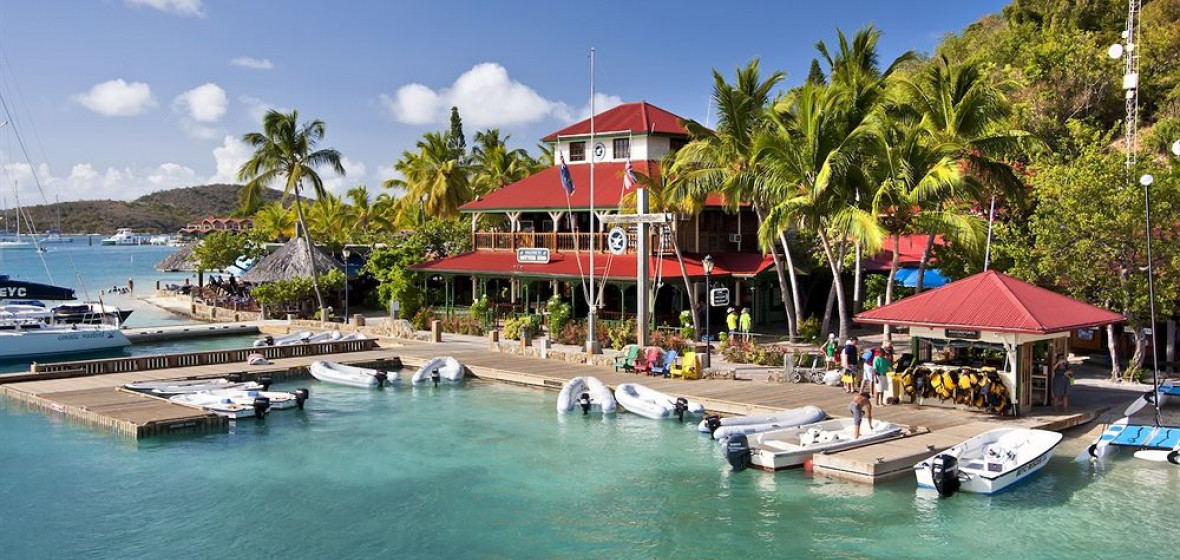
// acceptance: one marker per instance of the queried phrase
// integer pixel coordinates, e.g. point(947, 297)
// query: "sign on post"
point(616, 241)
point(638, 218)
point(719, 297)
point(532, 255)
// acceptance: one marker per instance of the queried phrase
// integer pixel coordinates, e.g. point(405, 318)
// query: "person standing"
point(1062, 377)
point(745, 322)
point(860, 407)
point(868, 375)
point(881, 366)
point(848, 360)
point(731, 321)
point(131, 285)
point(830, 348)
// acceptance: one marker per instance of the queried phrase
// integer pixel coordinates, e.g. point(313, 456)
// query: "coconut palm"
point(275, 221)
point(433, 180)
point(369, 216)
point(287, 150)
point(326, 219)
point(493, 165)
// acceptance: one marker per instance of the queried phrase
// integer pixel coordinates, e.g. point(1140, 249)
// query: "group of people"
point(739, 325)
point(860, 369)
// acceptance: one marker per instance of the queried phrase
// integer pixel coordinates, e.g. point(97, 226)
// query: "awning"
point(933, 278)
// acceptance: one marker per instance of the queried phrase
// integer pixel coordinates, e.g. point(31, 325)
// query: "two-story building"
point(210, 224)
point(537, 213)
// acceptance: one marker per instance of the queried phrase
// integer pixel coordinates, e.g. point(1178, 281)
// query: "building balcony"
point(558, 242)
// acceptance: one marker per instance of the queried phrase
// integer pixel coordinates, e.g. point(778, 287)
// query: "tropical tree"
point(288, 151)
point(435, 181)
point(369, 216)
point(328, 220)
point(275, 222)
point(493, 165)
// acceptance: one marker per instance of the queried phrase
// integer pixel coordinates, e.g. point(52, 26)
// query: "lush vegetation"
point(292, 291)
point(221, 249)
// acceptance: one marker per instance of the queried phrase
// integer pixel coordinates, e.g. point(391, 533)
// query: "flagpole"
point(592, 346)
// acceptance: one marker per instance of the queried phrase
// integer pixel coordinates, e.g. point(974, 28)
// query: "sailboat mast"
point(591, 337)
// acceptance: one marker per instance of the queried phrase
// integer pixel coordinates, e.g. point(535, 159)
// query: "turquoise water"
point(490, 471)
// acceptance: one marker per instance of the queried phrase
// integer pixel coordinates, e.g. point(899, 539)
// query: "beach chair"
point(664, 368)
point(625, 360)
point(652, 356)
point(688, 368)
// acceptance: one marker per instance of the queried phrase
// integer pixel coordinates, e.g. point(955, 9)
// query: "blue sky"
point(116, 98)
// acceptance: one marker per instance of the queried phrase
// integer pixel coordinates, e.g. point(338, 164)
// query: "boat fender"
point(1174, 457)
point(395, 362)
point(680, 408)
point(301, 396)
point(261, 405)
point(265, 381)
point(434, 376)
point(944, 471)
point(712, 422)
point(234, 378)
point(381, 377)
point(584, 402)
point(737, 452)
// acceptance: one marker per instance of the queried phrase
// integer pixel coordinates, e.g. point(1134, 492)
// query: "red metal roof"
point(910, 247)
point(641, 117)
point(995, 302)
point(566, 265)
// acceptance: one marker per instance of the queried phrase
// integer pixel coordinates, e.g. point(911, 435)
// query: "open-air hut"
point(180, 261)
point(289, 261)
point(993, 320)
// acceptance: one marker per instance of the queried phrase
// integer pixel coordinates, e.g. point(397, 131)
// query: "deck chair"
point(652, 356)
point(625, 360)
point(664, 368)
point(688, 368)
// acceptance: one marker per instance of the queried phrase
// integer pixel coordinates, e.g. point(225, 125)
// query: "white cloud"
point(191, 8)
point(204, 103)
point(337, 185)
point(602, 102)
point(117, 98)
point(257, 107)
point(253, 63)
point(229, 157)
point(87, 183)
point(486, 96)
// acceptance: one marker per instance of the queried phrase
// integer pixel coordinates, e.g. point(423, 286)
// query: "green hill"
point(158, 212)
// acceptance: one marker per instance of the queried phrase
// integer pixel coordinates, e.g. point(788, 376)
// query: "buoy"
point(807, 465)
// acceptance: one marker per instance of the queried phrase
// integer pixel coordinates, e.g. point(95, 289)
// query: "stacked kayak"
point(722, 428)
point(340, 374)
point(653, 404)
point(445, 369)
point(586, 392)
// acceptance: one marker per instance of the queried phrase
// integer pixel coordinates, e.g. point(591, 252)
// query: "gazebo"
point(996, 319)
point(290, 261)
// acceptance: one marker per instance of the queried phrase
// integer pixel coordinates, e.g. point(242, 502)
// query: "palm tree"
point(287, 150)
point(493, 165)
point(275, 221)
point(369, 216)
point(326, 218)
point(434, 180)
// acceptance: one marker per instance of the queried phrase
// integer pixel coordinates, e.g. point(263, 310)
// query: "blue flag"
point(567, 182)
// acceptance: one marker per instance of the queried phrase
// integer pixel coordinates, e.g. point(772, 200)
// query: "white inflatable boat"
point(754, 424)
point(988, 462)
point(326, 336)
point(448, 368)
point(169, 388)
point(653, 404)
point(340, 374)
point(243, 404)
point(293, 338)
point(257, 359)
point(354, 336)
point(792, 447)
point(597, 396)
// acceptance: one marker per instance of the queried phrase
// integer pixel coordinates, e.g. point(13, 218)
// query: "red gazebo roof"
point(639, 118)
point(991, 301)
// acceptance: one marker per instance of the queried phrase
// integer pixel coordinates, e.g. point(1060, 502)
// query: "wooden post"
point(436, 331)
point(494, 340)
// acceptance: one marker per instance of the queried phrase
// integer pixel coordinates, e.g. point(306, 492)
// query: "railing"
point(558, 242)
point(211, 357)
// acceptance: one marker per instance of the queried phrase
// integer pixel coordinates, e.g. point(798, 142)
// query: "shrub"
point(480, 310)
point(809, 328)
point(622, 334)
point(422, 319)
point(513, 326)
point(560, 314)
point(670, 341)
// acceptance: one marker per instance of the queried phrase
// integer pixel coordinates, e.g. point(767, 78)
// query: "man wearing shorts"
point(860, 406)
point(881, 367)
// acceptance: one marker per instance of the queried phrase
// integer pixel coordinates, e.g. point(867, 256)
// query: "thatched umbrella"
point(290, 261)
point(180, 261)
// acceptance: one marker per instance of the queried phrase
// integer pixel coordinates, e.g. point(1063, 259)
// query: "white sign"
point(638, 219)
point(532, 255)
point(616, 241)
point(719, 297)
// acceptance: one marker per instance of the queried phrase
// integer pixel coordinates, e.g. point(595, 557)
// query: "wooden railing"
point(209, 357)
point(559, 242)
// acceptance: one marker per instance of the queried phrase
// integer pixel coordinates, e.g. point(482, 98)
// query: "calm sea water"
point(490, 471)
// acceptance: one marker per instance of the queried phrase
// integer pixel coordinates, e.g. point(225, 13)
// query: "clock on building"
point(599, 151)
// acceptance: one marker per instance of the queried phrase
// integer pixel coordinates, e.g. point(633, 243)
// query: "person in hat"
point(850, 361)
point(745, 322)
point(830, 348)
point(731, 321)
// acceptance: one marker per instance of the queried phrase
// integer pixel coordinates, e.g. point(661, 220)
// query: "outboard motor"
point(266, 382)
point(944, 470)
point(680, 408)
point(270, 340)
point(301, 396)
point(737, 452)
point(584, 402)
point(712, 422)
point(435, 377)
point(261, 405)
point(395, 362)
point(381, 377)
point(234, 378)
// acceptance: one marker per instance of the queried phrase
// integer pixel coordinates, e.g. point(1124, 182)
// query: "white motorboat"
point(758, 423)
point(447, 369)
point(243, 404)
point(792, 447)
point(340, 374)
point(22, 338)
point(586, 392)
point(293, 338)
point(653, 404)
point(988, 462)
point(123, 236)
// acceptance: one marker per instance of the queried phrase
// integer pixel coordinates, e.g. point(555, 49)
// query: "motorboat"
point(653, 404)
point(293, 338)
point(340, 374)
point(31, 337)
point(123, 236)
point(440, 369)
point(988, 462)
point(243, 403)
point(588, 393)
point(792, 447)
point(725, 427)
point(181, 387)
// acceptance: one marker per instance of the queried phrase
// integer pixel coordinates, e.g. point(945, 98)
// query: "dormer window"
point(577, 151)
point(622, 148)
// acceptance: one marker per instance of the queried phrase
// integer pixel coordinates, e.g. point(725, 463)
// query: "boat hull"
point(601, 398)
point(649, 403)
point(784, 449)
point(56, 341)
point(765, 422)
point(984, 472)
point(449, 370)
point(340, 374)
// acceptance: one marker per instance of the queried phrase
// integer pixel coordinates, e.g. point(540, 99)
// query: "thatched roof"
point(180, 261)
point(290, 261)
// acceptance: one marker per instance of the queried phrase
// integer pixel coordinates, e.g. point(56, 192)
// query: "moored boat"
point(36, 338)
point(588, 393)
point(340, 374)
point(988, 462)
point(653, 404)
point(182, 386)
point(792, 447)
point(287, 340)
point(439, 369)
point(243, 404)
point(725, 427)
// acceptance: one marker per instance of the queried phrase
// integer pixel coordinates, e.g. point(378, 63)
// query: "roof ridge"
point(647, 124)
point(999, 279)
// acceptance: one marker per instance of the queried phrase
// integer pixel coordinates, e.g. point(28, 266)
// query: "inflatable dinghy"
point(653, 404)
point(587, 393)
point(755, 424)
point(448, 369)
point(340, 374)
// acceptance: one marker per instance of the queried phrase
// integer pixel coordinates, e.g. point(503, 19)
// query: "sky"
point(114, 99)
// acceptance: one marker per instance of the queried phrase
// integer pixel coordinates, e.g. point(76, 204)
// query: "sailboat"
point(16, 243)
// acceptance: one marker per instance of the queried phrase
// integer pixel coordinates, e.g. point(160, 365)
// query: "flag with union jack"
point(629, 178)
point(567, 182)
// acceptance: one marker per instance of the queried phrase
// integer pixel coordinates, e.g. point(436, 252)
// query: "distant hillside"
point(159, 212)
